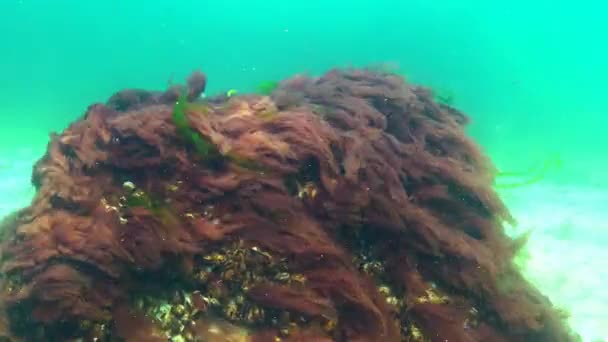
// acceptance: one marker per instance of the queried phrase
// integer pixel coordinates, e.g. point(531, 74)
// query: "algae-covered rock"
point(350, 207)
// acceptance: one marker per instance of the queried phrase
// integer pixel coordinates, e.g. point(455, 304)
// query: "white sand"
point(568, 257)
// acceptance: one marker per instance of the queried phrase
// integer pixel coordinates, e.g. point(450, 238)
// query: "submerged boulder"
point(349, 207)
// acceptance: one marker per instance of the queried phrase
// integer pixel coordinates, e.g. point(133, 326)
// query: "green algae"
point(267, 87)
point(203, 146)
point(530, 176)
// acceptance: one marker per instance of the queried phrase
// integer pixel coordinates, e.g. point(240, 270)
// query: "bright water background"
point(532, 75)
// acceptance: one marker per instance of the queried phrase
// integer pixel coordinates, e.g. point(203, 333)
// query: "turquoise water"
point(531, 75)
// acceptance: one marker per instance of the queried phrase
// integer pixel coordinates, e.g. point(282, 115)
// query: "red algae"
point(349, 207)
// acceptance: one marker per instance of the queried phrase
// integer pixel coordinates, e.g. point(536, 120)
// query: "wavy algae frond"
point(203, 146)
point(528, 177)
point(267, 87)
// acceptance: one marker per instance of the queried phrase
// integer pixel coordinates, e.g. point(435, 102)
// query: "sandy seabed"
point(566, 254)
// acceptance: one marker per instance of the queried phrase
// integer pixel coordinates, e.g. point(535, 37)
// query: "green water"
point(532, 75)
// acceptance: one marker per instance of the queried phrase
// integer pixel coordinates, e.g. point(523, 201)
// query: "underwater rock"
point(349, 207)
point(130, 99)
